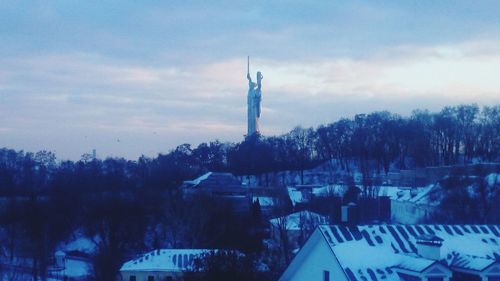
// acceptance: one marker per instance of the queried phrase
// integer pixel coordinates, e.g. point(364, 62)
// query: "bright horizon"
point(141, 78)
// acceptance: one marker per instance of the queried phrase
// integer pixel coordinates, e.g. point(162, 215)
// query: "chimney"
point(429, 246)
point(349, 213)
point(60, 258)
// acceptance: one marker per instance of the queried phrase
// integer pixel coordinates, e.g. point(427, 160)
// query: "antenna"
point(248, 65)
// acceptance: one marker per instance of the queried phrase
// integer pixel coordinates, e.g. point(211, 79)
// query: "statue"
point(253, 101)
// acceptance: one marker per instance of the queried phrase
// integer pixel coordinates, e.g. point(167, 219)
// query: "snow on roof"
point(390, 191)
point(373, 252)
point(417, 195)
point(493, 179)
point(199, 179)
point(295, 196)
point(466, 262)
point(60, 254)
point(171, 260)
point(264, 201)
point(336, 189)
point(433, 194)
point(214, 179)
point(393, 192)
point(413, 263)
point(294, 221)
point(80, 244)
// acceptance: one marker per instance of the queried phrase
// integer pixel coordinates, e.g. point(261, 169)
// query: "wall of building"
point(409, 213)
point(143, 275)
point(312, 260)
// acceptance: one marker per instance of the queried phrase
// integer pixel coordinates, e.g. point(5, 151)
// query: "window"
point(151, 278)
point(326, 275)
point(435, 279)
point(132, 278)
point(169, 278)
point(494, 278)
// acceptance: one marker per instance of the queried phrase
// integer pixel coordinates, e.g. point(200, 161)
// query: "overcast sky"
point(141, 77)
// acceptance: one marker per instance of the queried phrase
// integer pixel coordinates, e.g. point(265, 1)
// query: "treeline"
point(376, 142)
point(124, 207)
point(133, 206)
point(456, 135)
point(380, 141)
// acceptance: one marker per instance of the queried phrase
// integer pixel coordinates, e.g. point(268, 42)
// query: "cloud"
point(458, 71)
point(73, 102)
point(51, 97)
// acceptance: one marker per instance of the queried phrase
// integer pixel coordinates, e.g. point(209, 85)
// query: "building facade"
point(161, 265)
point(399, 252)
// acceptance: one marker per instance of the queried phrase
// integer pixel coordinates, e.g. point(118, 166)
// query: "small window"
point(494, 278)
point(169, 278)
point(326, 275)
point(435, 279)
point(132, 278)
point(151, 278)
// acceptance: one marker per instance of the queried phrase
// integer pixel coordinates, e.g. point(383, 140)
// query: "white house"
point(411, 206)
point(398, 252)
point(161, 265)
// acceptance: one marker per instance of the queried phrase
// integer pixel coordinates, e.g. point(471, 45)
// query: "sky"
point(131, 78)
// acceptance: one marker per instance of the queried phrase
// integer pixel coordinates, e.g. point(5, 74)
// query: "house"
point(301, 194)
point(413, 205)
point(416, 205)
point(297, 226)
point(216, 184)
point(398, 252)
point(61, 267)
point(161, 265)
point(222, 186)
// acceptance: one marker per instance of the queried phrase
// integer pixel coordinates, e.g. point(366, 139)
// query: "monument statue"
point(253, 101)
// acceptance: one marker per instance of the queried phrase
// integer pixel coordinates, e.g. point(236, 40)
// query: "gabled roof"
point(170, 260)
point(199, 179)
point(376, 252)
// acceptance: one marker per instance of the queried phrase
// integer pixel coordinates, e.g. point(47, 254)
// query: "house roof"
point(295, 220)
point(433, 194)
point(296, 196)
point(199, 179)
point(416, 195)
point(471, 263)
point(171, 260)
point(374, 252)
point(214, 179)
